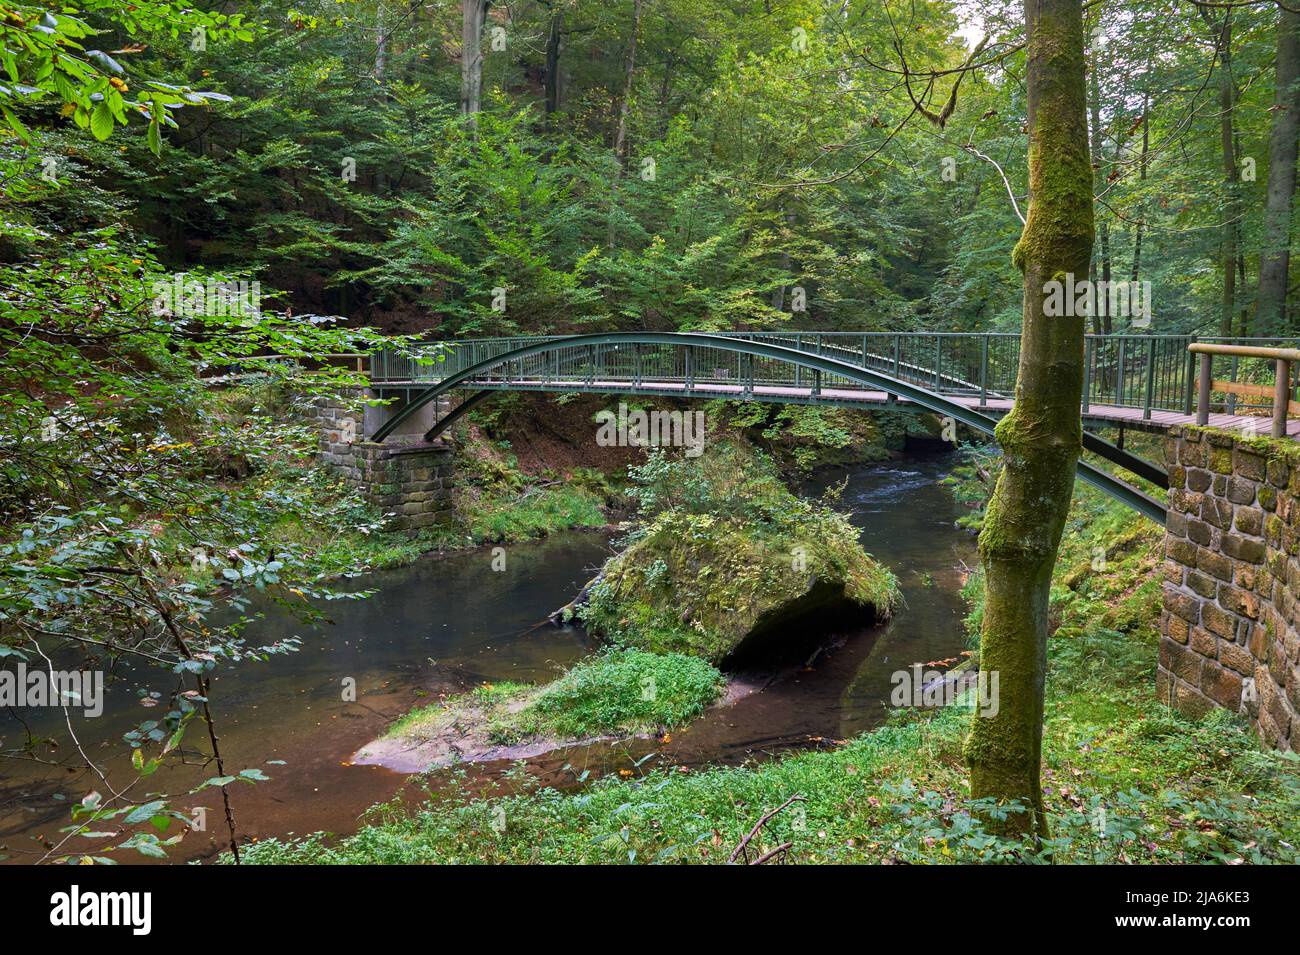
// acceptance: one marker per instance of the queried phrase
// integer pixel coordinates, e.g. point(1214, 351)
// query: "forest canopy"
point(653, 164)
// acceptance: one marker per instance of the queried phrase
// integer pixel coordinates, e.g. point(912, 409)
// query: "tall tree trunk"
point(552, 75)
point(1243, 314)
point(788, 217)
point(620, 133)
point(1231, 203)
point(1275, 257)
point(473, 17)
point(381, 64)
point(1142, 177)
point(1041, 437)
point(381, 45)
point(669, 62)
point(1101, 320)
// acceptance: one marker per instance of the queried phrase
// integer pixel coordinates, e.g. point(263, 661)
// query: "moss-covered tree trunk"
point(1101, 317)
point(1042, 435)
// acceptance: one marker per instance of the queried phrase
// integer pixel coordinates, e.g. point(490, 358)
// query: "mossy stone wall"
point(1232, 573)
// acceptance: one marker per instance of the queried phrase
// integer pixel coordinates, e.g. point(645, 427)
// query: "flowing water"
point(444, 625)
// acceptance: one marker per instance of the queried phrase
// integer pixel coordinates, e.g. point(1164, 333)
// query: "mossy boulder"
point(707, 586)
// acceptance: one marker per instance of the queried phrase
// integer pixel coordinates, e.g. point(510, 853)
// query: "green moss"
point(1264, 445)
point(614, 693)
point(728, 551)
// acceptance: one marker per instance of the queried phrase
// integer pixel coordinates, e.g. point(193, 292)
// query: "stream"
point(447, 624)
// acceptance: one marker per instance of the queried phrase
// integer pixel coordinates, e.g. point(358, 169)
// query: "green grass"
point(509, 516)
point(613, 693)
point(627, 691)
point(340, 550)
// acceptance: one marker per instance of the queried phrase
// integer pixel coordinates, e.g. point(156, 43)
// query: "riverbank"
point(1125, 779)
point(496, 500)
point(1162, 789)
point(529, 466)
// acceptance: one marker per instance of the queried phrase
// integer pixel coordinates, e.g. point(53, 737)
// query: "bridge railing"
point(1147, 372)
point(1255, 363)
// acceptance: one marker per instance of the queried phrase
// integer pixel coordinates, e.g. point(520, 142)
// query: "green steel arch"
point(923, 397)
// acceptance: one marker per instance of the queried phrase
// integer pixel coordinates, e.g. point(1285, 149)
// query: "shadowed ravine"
point(445, 625)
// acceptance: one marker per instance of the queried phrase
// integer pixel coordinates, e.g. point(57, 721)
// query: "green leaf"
point(104, 61)
point(16, 124)
point(150, 849)
point(101, 121)
point(144, 813)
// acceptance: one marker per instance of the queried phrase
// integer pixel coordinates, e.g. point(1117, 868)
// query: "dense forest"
point(660, 165)
point(206, 207)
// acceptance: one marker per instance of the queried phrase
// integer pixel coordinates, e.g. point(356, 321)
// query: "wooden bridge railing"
point(1283, 359)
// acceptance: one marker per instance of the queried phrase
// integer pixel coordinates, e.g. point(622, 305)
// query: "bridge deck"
point(1158, 420)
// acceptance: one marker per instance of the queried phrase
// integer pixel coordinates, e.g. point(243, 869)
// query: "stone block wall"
point(411, 483)
point(340, 422)
point(1232, 575)
point(404, 476)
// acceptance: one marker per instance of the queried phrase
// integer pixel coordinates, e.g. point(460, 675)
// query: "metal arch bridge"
point(1138, 381)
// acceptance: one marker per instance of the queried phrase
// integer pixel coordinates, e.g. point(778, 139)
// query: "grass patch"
point(495, 501)
point(627, 691)
point(508, 516)
point(616, 692)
